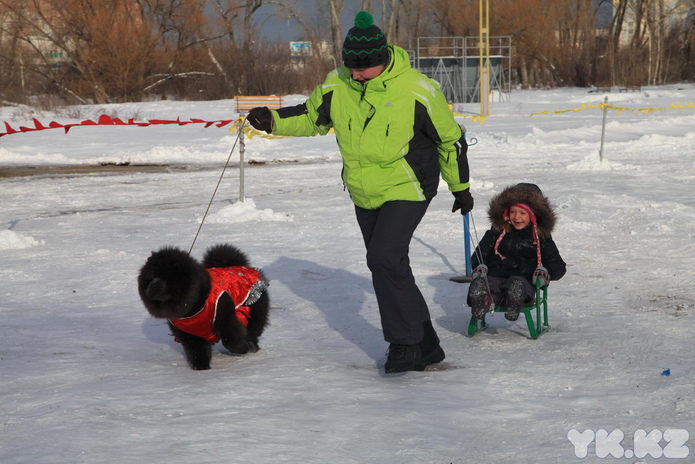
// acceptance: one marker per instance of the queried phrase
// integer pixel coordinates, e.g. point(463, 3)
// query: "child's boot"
point(478, 295)
point(515, 299)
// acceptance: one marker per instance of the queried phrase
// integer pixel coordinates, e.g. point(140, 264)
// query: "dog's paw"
point(200, 367)
point(239, 348)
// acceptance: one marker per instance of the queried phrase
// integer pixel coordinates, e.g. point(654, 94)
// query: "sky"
point(87, 376)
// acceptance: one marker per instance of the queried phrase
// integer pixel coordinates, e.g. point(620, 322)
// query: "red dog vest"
point(244, 284)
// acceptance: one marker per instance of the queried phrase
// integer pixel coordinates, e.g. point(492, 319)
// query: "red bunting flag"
point(105, 120)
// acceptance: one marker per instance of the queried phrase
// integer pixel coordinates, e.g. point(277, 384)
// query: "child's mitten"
point(541, 274)
point(480, 271)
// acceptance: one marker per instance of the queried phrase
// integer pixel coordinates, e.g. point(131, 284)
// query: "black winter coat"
point(520, 254)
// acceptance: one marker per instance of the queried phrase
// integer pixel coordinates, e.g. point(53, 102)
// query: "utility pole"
point(484, 46)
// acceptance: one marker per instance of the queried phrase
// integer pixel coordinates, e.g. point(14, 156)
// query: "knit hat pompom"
point(365, 44)
point(364, 20)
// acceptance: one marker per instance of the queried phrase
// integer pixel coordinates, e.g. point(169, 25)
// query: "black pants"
point(387, 232)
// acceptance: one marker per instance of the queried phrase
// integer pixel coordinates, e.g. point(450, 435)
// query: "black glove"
point(463, 201)
point(261, 118)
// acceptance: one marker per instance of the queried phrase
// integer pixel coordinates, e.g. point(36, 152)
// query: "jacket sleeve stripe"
point(291, 111)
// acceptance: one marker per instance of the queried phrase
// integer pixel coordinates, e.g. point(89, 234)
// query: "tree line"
point(103, 51)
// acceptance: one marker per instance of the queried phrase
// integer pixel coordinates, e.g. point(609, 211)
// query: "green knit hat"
point(365, 45)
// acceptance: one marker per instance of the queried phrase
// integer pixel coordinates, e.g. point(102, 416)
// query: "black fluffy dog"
point(222, 299)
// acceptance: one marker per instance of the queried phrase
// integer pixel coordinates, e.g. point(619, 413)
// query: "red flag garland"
point(105, 120)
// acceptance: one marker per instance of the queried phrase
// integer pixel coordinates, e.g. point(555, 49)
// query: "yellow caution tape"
point(476, 118)
point(674, 106)
point(250, 132)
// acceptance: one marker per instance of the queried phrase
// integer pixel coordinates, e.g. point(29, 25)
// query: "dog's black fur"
point(173, 285)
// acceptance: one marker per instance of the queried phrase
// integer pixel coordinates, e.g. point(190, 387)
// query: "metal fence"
point(454, 62)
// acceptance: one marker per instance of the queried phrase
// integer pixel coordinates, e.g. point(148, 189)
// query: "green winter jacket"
point(395, 132)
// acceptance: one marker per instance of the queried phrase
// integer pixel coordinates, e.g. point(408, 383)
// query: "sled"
point(536, 325)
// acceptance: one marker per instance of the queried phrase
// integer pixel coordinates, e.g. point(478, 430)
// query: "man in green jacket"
point(396, 135)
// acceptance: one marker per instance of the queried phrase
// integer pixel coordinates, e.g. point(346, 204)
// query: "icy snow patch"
point(593, 162)
point(13, 241)
point(243, 211)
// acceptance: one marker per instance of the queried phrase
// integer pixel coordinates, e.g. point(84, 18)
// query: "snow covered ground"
point(86, 376)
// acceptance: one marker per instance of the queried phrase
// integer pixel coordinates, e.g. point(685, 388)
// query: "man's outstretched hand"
point(261, 118)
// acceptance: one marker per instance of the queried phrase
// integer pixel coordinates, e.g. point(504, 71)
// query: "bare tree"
point(117, 50)
point(389, 12)
point(104, 46)
point(336, 6)
point(414, 22)
point(455, 18)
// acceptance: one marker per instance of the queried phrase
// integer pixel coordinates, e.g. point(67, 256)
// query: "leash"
point(481, 261)
point(216, 187)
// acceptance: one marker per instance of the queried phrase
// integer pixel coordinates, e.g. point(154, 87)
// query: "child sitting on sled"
point(515, 252)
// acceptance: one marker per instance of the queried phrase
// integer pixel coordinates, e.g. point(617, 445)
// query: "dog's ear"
point(157, 290)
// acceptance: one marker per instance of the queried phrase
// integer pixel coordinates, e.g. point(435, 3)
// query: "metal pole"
point(241, 159)
point(467, 242)
point(484, 39)
point(467, 249)
point(603, 129)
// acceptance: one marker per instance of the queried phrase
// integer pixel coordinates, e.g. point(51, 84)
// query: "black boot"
point(515, 299)
point(478, 297)
point(402, 358)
